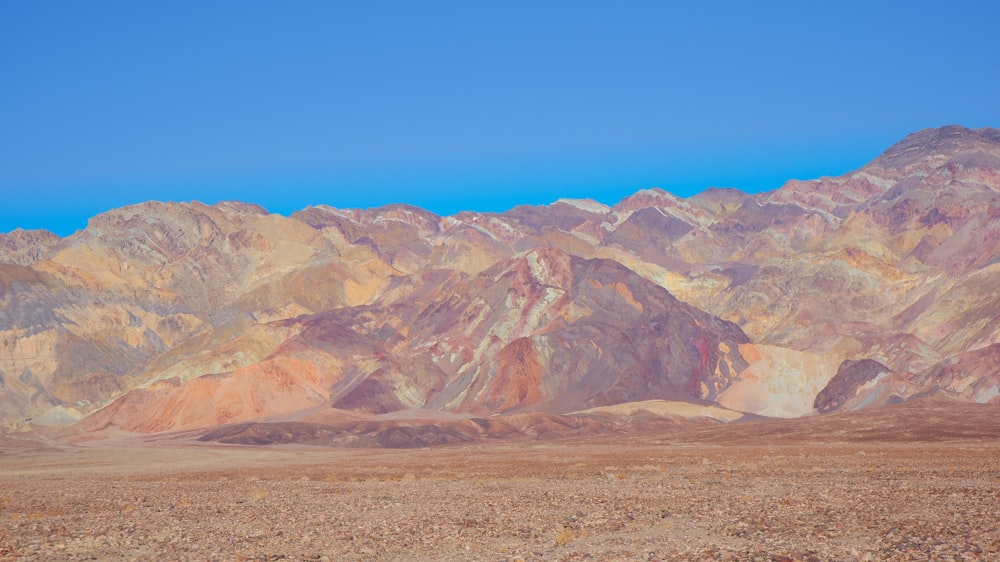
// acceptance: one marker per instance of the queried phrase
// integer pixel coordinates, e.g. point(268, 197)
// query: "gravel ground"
point(584, 500)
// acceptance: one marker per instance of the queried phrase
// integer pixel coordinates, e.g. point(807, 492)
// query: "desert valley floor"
point(841, 487)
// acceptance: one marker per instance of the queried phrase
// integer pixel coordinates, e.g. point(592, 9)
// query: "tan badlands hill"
point(837, 293)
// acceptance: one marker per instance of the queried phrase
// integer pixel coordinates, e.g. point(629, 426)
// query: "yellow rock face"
point(668, 408)
point(779, 382)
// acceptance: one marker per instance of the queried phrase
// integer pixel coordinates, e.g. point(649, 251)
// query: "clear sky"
point(465, 105)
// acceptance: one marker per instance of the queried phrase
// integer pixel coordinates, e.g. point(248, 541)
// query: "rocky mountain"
point(837, 293)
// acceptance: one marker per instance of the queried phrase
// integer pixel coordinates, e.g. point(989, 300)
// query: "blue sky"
point(465, 105)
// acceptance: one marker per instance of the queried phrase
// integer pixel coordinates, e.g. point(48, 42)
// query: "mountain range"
point(398, 327)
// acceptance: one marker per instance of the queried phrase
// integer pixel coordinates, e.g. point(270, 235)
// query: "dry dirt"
point(754, 491)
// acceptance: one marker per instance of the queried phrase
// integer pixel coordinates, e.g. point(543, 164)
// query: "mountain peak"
point(942, 141)
point(26, 247)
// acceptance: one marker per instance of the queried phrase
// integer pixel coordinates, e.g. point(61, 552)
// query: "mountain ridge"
point(757, 300)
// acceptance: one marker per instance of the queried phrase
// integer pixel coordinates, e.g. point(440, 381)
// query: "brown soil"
point(749, 491)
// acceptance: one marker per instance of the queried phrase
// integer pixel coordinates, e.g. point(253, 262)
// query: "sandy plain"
point(841, 487)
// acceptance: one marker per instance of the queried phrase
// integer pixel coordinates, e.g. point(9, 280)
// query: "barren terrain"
point(841, 487)
point(860, 290)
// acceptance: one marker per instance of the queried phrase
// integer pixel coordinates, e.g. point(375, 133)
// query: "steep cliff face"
point(165, 316)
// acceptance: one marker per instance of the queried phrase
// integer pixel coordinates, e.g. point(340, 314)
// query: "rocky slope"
point(843, 292)
point(542, 331)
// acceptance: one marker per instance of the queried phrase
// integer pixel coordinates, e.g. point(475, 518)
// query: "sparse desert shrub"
point(565, 537)
point(257, 493)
